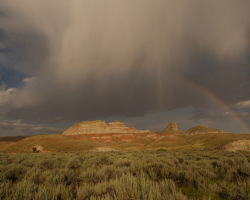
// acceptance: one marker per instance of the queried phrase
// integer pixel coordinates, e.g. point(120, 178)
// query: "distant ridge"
point(172, 128)
point(202, 130)
point(12, 139)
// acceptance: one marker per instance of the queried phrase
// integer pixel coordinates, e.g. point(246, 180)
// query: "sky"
point(143, 62)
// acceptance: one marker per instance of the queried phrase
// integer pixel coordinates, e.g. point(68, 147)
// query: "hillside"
point(115, 136)
point(51, 143)
point(61, 143)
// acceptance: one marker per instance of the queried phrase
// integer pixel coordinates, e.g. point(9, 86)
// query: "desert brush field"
point(147, 175)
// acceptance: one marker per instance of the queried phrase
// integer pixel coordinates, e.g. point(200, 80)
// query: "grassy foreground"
point(155, 175)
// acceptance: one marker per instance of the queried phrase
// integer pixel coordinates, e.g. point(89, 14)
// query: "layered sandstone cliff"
point(243, 145)
point(100, 127)
point(100, 130)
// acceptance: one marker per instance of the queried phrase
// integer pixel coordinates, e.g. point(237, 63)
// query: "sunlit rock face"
point(100, 130)
point(239, 145)
point(38, 148)
point(100, 127)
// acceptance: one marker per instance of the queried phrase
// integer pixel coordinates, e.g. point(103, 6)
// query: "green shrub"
point(35, 150)
point(74, 164)
point(15, 173)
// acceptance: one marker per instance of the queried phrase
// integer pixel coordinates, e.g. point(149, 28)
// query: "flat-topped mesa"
point(101, 127)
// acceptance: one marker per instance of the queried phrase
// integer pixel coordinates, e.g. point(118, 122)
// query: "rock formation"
point(100, 130)
point(243, 145)
point(170, 128)
point(100, 127)
point(38, 148)
point(203, 130)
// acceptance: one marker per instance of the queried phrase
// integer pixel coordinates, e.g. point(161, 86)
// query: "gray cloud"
point(93, 59)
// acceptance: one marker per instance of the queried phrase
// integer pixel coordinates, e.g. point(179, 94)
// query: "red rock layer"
point(100, 127)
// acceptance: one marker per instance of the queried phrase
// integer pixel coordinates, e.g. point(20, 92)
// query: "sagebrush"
point(156, 175)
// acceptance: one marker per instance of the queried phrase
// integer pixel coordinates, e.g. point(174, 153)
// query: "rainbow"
point(217, 101)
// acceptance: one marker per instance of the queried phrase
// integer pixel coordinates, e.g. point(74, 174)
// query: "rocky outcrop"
point(170, 128)
point(101, 131)
point(203, 130)
point(37, 148)
point(243, 145)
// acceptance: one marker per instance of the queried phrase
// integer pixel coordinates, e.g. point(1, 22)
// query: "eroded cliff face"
point(101, 131)
point(243, 145)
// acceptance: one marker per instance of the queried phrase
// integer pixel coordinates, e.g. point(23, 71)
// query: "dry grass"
point(53, 143)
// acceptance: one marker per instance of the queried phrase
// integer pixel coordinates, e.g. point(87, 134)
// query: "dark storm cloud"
point(93, 59)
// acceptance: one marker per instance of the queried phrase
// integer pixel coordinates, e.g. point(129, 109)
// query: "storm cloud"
point(85, 60)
